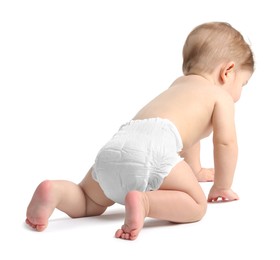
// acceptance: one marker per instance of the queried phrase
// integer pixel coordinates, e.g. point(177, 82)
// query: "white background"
point(71, 72)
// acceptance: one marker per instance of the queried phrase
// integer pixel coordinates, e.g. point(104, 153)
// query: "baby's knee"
point(202, 208)
point(199, 211)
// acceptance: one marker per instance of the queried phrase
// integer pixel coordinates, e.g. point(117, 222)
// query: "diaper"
point(138, 157)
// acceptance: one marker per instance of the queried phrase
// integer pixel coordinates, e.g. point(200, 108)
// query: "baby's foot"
point(40, 207)
point(135, 213)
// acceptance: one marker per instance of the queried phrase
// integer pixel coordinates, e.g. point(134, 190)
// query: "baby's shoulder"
point(214, 93)
point(222, 96)
point(197, 89)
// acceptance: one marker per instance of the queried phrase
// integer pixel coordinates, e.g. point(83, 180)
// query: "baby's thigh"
point(94, 192)
point(182, 178)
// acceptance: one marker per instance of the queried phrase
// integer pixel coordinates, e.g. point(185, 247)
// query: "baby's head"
point(211, 44)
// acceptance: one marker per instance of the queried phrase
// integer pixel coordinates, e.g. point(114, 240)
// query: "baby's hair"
point(210, 44)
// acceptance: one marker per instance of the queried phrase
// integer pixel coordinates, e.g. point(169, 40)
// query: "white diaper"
point(138, 157)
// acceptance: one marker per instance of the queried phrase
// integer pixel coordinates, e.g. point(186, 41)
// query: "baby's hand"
point(205, 174)
point(225, 195)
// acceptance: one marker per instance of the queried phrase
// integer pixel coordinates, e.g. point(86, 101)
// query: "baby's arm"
point(192, 157)
point(225, 150)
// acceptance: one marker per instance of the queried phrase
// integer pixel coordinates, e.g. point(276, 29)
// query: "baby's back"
point(189, 104)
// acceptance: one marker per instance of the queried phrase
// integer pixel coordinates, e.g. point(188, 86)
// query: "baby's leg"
point(66, 196)
point(180, 199)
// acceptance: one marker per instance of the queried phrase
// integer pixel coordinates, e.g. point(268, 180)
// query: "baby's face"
point(241, 79)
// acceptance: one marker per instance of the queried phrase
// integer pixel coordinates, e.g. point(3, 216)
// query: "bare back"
point(189, 103)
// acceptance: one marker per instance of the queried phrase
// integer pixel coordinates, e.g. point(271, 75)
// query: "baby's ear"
point(226, 71)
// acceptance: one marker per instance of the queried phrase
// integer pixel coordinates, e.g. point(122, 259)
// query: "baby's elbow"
point(227, 142)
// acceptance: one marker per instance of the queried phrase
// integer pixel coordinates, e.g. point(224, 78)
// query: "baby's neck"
point(202, 77)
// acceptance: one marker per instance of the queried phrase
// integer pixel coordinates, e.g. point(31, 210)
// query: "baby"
point(152, 165)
